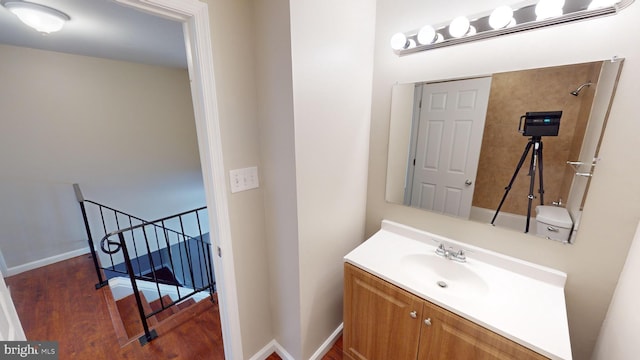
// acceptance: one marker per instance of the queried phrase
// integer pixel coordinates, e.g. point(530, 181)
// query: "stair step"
point(114, 314)
point(190, 313)
point(130, 316)
point(185, 304)
point(157, 305)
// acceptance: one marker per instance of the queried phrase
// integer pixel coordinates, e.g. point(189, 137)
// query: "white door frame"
point(194, 15)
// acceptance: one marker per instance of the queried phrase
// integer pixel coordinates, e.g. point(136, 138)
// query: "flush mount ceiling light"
point(42, 18)
point(524, 16)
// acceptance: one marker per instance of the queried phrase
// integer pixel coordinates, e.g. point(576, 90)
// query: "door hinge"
point(219, 251)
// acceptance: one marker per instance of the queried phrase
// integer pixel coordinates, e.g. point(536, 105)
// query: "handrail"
point(144, 223)
point(183, 256)
point(122, 243)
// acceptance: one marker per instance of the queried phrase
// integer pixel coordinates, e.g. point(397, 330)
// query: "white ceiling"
point(102, 28)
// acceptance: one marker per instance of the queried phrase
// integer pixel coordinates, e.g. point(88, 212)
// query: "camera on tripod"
point(536, 125)
point(544, 123)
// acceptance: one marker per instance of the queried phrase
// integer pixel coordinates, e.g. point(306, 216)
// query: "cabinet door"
point(452, 337)
point(381, 321)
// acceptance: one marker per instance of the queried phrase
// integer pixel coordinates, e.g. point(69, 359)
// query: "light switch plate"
point(243, 179)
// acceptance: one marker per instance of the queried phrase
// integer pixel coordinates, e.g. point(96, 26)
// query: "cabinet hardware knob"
point(413, 314)
point(427, 321)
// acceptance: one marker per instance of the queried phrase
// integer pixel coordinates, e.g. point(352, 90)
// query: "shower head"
point(577, 91)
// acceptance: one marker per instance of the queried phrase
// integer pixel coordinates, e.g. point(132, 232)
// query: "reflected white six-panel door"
point(452, 117)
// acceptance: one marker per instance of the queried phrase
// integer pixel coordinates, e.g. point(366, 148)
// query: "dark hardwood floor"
point(335, 353)
point(59, 302)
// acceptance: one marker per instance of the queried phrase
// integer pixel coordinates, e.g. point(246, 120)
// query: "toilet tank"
point(553, 222)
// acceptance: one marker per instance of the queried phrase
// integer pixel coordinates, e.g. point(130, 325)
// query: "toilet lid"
point(554, 215)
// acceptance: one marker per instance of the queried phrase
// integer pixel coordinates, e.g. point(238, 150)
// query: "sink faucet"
point(450, 253)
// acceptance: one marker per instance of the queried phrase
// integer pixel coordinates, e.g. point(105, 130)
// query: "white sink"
point(519, 300)
point(437, 272)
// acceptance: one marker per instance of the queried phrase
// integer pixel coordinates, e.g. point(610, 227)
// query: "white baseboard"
point(273, 346)
point(327, 344)
point(284, 354)
point(46, 261)
point(269, 349)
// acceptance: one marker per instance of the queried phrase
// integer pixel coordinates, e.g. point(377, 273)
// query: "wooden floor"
point(59, 303)
point(335, 353)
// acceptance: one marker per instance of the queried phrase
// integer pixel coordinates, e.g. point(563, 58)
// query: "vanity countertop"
point(519, 300)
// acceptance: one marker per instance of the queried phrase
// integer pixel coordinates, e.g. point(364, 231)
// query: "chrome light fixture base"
point(524, 20)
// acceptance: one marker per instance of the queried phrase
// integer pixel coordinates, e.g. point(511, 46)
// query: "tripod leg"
point(541, 189)
point(532, 174)
point(513, 178)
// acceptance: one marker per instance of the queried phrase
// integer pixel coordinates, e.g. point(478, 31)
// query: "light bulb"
point(546, 9)
point(596, 4)
point(472, 30)
point(399, 41)
point(427, 35)
point(459, 26)
point(501, 17)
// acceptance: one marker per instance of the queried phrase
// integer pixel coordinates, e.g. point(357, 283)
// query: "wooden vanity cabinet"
point(382, 321)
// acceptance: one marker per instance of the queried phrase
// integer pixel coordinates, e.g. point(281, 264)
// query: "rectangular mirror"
point(454, 145)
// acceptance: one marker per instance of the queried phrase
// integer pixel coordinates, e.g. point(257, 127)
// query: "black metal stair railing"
point(147, 250)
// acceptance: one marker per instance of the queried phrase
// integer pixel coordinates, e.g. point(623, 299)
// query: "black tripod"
point(536, 159)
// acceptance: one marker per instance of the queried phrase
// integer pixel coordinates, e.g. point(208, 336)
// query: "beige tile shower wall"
point(512, 95)
point(587, 95)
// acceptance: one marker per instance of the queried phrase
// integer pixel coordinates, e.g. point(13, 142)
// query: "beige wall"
point(125, 132)
point(612, 209)
point(233, 57)
point(402, 99)
point(331, 48)
point(313, 82)
point(277, 149)
point(618, 337)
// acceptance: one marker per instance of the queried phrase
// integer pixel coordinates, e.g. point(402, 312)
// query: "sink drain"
point(442, 284)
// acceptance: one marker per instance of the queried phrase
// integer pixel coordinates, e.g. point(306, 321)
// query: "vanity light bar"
point(525, 20)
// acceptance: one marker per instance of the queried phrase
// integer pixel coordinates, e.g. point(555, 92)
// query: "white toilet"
point(553, 222)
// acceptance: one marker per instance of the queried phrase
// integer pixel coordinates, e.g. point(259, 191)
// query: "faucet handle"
point(460, 256)
point(441, 250)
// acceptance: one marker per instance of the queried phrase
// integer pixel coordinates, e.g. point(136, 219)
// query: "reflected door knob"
point(468, 182)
